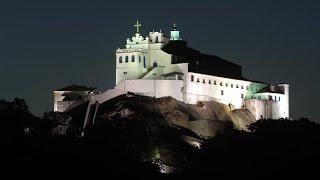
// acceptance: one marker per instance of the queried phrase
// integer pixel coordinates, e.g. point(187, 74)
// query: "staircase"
point(145, 73)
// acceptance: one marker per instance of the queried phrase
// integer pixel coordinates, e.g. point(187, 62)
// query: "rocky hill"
point(163, 130)
point(205, 118)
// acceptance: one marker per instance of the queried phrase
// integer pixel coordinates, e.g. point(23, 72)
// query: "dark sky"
point(45, 45)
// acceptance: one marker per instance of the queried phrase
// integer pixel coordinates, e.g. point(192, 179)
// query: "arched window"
point(139, 59)
point(132, 58)
point(120, 59)
point(127, 59)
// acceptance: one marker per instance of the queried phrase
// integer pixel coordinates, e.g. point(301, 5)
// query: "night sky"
point(46, 45)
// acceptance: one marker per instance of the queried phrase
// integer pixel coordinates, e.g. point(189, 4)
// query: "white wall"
point(59, 105)
point(265, 109)
point(160, 88)
point(132, 69)
point(161, 57)
point(285, 103)
point(155, 73)
point(232, 89)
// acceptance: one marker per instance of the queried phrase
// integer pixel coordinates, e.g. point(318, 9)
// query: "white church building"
point(159, 66)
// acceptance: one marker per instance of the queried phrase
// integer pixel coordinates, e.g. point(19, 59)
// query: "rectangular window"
point(198, 80)
point(226, 84)
point(241, 86)
point(220, 83)
point(242, 96)
point(192, 78)
point(231, 85)
point(209, 81)
point(215, 82)
point(222, 92)
point(237, 86)
point(204, 81)
point(279, 98)
point(247, 87)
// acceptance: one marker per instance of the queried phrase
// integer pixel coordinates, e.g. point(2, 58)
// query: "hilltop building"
point(159, 66)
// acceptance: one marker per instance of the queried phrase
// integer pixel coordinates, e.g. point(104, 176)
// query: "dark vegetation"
point(273, 148)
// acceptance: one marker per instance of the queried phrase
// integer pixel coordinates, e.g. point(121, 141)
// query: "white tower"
point(132, 60)
point(175, 33)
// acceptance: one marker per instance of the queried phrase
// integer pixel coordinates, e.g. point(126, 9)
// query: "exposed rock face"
point(142, 124)
point(206, 118)
point(240, 118)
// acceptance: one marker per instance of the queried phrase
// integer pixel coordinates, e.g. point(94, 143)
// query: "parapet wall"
point(154, 88)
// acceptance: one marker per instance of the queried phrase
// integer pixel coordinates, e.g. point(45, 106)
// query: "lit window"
point(127, 59)
point(132, 58)
point(222, 92)
point(120, 59)
point(192, 78)
point(204, 81)
point(209, 81)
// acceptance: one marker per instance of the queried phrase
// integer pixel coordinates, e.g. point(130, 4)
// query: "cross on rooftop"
point(137, 26)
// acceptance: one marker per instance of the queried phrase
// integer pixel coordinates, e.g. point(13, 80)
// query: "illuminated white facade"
point(143, 67)
point(160, 66)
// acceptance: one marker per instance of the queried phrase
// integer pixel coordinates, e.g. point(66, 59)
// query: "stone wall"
point(265, 109)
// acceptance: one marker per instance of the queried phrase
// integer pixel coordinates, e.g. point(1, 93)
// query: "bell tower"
point(175, 33)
